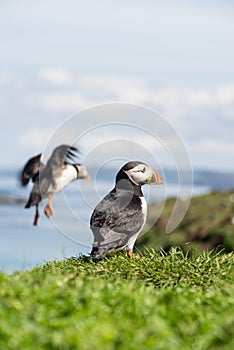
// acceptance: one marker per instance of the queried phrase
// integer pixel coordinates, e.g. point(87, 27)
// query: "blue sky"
point(58, 58)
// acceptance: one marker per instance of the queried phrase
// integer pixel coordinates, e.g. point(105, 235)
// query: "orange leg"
point(48, 209)
point(36, 216)
point(130, 255)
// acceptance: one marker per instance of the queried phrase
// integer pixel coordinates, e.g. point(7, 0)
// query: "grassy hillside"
point(156, 301)
point(208, 224)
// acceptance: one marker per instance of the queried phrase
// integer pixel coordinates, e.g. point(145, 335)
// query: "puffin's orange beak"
point(87, 177)
point(155, 178)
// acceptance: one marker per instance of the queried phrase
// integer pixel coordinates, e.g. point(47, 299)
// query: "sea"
point(66, 233)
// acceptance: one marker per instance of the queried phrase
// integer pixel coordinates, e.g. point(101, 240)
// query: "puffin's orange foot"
point(130, 255)
point(48, 211)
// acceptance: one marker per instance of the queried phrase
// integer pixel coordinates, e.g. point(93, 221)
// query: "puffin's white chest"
point(132, 239)
point(69, 174)
point(144, 207)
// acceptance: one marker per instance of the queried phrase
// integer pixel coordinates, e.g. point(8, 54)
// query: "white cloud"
point(56, 76)
point(35, 139)
point(6, 78)
point(58, 101)
point(212, 153)
point(72, 93)
point(166, 96)
point(203, 116)
point(225, 94)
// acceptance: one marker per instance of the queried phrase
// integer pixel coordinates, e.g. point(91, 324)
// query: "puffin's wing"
point(61, 155)
point(31, 170)
point(114, 221)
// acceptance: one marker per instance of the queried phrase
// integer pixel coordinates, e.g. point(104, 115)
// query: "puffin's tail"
point(33, 200)
point(98, 253)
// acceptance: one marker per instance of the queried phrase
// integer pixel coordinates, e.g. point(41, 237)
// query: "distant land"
point(212, 180)
point(208, 224)
point(216, 181)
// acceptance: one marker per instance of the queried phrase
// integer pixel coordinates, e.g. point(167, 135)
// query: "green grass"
point(156, 301)
point(208, 224)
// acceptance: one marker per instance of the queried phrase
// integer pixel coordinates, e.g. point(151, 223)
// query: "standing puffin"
point(120, 216)
point(51, 178)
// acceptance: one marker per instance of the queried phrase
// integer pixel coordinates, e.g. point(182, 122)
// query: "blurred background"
point(59, 58)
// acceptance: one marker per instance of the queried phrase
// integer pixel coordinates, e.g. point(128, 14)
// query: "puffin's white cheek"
point(139, 178)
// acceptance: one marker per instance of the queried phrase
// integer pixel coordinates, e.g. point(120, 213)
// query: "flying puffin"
point(120, 216)
point(52, 177)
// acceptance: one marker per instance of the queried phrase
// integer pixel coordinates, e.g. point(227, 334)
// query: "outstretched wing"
point(114, 221)
point(62, 154)
point(31, 170)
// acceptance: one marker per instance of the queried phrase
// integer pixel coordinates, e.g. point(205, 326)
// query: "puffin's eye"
point(143, 170)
